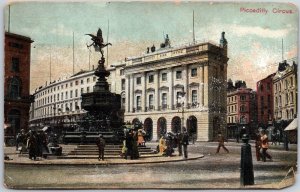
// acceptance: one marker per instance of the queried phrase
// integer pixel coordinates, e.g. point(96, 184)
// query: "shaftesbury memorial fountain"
point(101, 105)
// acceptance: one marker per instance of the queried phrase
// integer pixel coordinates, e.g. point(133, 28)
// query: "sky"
point(254, 39)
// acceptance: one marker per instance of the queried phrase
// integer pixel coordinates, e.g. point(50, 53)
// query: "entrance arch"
point(161, 127)
point(176, 124)
point(14, 119)
point(148, 127)
point(192, 126)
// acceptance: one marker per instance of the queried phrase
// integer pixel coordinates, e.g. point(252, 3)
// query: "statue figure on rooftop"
point(98, 42)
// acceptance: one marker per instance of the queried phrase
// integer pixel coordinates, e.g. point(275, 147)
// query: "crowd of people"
point(36, 143)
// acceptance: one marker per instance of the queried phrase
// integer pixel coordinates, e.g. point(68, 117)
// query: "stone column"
point(171, 90)
point(202, 84)
point(131, 95)
point(156, 80)
point(206, 88)
point(127, 93)
point(186, 84)
point(144, 94)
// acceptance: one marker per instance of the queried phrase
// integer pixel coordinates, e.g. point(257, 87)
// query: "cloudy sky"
point(254, 39)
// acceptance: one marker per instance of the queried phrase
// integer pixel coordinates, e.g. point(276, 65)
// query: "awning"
point(292, 126)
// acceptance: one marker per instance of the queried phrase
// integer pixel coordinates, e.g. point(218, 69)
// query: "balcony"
point(163, 107)
point(138, 109)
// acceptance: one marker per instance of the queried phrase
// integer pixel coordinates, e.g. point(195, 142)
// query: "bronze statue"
point(98, 42)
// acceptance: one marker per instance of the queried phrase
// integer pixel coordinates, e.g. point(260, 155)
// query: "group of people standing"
point(168, 142)
point(35, 142)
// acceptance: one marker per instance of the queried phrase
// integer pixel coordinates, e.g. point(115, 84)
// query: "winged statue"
point(98, 42)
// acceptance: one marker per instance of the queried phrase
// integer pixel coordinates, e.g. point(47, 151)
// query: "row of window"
point(50, 90)
point(287, 83)
point(233, 119)
point(61, 96)
point(287, 114)
point(232, 108)
point(289, 98)
point(233, 98)
point(53, 110)
point(164, 100)
point(164, 76)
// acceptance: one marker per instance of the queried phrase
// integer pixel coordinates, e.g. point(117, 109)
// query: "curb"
point(106, 163)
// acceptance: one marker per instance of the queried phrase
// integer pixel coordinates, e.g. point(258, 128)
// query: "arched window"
point(14, 88)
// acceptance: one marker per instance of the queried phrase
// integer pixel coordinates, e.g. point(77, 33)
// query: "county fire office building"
point(151, 88)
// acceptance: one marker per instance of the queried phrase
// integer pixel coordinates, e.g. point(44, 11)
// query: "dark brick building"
point(265, 101)
point(16, 84)
point(241, 111)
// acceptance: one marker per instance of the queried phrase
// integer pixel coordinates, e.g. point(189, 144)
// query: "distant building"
point(16, 83)
point(241, 111)
point(265, 101)
point(285, 91)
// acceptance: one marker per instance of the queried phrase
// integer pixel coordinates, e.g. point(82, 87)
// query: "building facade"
point(171, 88)
point(241, 111)
point(285, 91)
point(58, 104)
point(265, 101)
point(16, 83)
point(164, 89)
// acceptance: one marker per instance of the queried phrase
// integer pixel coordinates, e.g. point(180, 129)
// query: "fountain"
point(101, 105)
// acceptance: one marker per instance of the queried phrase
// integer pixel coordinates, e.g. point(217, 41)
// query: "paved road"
point(213, 171)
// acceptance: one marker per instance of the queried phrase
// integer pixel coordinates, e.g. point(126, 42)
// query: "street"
point(212, 171)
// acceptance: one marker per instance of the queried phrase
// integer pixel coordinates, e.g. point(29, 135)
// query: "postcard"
point(150, 95)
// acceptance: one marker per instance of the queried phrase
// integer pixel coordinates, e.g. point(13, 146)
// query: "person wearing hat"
point(185, 142)
point(101, 145)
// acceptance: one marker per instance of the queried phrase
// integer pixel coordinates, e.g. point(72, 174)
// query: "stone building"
point(172, 87)
point(265, 101)
point(285, 91)
point(16, 83)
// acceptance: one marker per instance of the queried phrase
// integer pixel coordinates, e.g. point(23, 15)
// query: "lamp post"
point(181, 99)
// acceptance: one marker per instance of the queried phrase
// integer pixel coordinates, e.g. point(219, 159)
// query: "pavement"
point(16, 158)
point(22, 159)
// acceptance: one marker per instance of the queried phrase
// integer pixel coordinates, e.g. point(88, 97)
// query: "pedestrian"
point(185, 142)
point(286, 141)
point(221, 143)
point(135, 149)
point(162, 145)
point(129, 143)
point(265, 146)
point(32, 145)
point(124, 148)
point(101, 145)
point(257, 146)
point(179, 143)
point(18, 140)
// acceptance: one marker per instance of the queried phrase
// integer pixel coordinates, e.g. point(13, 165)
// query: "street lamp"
point(181, 100)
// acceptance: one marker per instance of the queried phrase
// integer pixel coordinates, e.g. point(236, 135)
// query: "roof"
point(20, 37)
